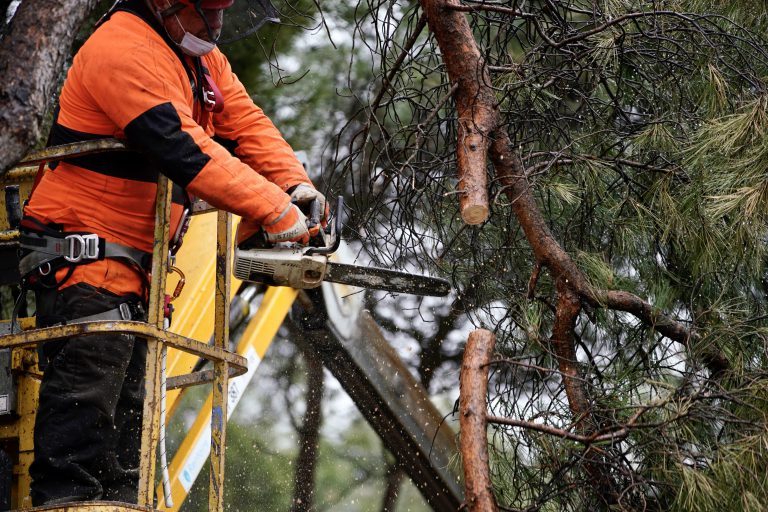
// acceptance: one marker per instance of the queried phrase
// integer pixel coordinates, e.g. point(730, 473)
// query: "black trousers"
point(88, 426)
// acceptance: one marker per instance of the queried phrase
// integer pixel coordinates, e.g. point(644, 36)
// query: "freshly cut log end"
point(474, 214)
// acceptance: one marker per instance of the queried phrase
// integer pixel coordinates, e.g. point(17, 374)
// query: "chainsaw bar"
point(385, 279)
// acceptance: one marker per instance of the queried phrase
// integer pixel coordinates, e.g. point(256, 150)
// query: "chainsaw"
point(303, 267)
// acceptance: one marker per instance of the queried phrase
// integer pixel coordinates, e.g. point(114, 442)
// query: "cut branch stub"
point(474, 104)
point(472, 421)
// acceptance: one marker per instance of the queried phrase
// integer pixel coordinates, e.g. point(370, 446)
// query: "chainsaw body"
point(290, 264)
point(281, 266)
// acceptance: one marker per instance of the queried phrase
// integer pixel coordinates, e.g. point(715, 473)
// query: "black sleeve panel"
point(229, 144)
point(158, 133)
point(130, 165)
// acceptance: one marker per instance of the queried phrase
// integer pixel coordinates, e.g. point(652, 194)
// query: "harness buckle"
point(125, 311)
point(131, 311)
point(81, 247)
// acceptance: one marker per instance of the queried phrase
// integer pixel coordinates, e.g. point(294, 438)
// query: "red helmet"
point(208, 4)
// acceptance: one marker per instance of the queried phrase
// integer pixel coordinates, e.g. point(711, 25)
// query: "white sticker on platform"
point(202, 447)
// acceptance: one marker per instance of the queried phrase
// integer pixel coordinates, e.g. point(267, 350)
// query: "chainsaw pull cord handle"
point(336, 233)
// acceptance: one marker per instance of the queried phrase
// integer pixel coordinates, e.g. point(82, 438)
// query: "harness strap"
point(73, 248)
point(125, 311)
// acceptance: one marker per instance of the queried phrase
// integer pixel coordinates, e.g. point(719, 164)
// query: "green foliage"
point(642, 128)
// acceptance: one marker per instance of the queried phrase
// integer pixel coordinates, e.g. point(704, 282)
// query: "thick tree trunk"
point(309, 438)
point(32, 56)
point(473, 408)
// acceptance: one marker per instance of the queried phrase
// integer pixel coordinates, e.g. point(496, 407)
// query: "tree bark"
point(473, 408)
point(564, 347)
point(32, 57)
point(309, 438)
point(475, 104)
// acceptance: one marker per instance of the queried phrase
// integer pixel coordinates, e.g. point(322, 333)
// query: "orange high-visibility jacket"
point(129, 81)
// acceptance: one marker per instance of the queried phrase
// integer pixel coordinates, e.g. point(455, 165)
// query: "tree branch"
point(548, 252)
point(472, 413)
point(475, 104)
point(715, 361)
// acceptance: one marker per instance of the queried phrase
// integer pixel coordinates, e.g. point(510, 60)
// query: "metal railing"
point(225, 364)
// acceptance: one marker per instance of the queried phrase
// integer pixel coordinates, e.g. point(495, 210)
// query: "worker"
point(152, 75)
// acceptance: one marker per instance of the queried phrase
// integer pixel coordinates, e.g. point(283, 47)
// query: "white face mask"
point(194, 46)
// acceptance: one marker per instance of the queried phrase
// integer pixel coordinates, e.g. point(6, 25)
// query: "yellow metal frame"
point(194, 309)
point(188, 350)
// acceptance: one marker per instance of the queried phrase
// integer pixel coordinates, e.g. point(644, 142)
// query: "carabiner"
point(179, 285)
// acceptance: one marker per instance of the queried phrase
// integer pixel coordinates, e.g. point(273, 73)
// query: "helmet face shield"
point(244, 18)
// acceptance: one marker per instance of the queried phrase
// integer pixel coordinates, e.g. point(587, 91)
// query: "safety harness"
point(45, 249)
point(50, 249)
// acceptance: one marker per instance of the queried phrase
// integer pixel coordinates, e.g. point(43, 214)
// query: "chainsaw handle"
point(312, 210)
point(336, 233)
point(259, 239)
point(315, 214)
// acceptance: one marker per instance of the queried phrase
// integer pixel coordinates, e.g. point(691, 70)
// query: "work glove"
point(303, 195)
point(290, 226)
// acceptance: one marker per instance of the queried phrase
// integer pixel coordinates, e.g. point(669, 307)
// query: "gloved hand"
point(303, 194)
point(290, 226)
